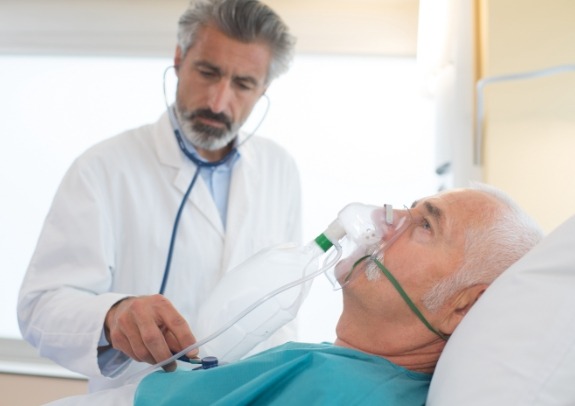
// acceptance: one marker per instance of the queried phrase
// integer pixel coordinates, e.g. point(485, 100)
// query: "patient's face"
point(429, 250)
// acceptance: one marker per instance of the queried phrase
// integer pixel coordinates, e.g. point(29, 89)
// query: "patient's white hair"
point(509, 233)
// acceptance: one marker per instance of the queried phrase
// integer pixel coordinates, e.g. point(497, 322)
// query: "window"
point(357, 126)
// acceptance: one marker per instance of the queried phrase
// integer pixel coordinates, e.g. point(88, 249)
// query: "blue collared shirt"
point(217, 179)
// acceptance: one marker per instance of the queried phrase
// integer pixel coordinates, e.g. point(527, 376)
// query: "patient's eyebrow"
point(435, 212)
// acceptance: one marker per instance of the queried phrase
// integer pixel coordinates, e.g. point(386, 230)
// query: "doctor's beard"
point(205, 136)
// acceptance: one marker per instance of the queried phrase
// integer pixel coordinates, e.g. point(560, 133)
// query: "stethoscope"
point(200, 164)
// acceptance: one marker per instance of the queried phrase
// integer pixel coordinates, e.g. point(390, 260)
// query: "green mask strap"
point(400, 290)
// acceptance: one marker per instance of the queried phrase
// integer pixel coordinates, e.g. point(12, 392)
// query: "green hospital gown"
point(291, 374)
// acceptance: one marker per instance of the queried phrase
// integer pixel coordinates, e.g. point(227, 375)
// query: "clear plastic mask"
point(370, 231)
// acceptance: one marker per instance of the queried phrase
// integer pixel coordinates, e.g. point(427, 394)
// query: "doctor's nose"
point(221, 95)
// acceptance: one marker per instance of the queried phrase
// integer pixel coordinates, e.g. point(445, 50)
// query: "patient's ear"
point(459, 305)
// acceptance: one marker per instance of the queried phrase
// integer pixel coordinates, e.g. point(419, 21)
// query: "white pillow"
point(517, 344)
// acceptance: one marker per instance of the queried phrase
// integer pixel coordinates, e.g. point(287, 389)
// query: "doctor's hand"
point(149, 329)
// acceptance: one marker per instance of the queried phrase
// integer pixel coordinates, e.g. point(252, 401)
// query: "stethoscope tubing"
point(200, 164)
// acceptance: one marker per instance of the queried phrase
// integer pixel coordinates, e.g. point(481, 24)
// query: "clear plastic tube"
point(330, 261)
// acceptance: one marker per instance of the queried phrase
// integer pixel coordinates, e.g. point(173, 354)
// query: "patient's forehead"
point(457, 208)
point(462, 200)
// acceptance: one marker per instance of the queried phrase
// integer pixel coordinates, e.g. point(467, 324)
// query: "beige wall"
point(25, 390)
point(530, 124)
point(352, 26)
point(118, 28)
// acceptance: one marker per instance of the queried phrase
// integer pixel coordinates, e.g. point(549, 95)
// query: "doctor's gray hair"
point(503, 237)
point(243, 20)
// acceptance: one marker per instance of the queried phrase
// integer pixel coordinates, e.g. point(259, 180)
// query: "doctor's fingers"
point(137, 325)
point(176, 345)
point(175, 328)
point(143, 341)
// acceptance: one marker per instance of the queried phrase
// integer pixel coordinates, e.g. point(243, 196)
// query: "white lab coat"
point(108, 231)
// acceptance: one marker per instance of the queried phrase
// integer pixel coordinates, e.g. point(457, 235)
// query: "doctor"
point(166, 208)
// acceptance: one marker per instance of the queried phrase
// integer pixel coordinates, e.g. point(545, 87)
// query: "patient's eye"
point(424, 231)
point(424, 223)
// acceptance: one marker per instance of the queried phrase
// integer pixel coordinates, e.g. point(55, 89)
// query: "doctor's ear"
point(178, 59)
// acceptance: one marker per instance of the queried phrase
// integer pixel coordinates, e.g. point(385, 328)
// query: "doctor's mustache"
point(209, 114)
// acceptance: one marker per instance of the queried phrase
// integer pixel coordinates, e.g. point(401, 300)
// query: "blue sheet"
point(290, 374)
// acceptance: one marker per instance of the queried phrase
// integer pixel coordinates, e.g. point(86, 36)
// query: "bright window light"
point(357, 126)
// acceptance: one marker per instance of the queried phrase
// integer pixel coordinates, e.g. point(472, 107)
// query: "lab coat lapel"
point(245, 179)
point(170, 155)
point(200, 197)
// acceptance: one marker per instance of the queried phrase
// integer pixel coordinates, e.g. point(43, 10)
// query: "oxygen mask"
point(369, 231)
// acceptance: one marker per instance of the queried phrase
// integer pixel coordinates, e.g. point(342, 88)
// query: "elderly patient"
point(398, 311)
